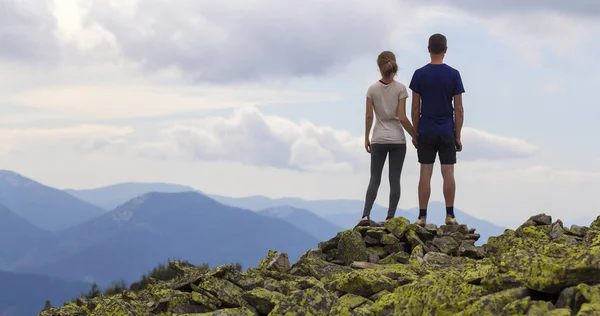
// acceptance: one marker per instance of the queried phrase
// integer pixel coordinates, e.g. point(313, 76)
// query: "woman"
point(387, 98)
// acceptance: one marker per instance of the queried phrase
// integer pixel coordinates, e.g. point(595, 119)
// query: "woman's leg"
point(378, 155)
point(397, 156)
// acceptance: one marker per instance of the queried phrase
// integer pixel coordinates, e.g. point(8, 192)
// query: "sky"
point(266, 97)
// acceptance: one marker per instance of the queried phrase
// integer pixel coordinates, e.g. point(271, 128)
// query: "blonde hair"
point(387, 64)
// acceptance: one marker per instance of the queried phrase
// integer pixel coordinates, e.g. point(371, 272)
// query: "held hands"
point(415, 141)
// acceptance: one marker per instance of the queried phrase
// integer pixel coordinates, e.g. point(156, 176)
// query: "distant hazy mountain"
point(322, 208)
point(435, 214)
point(110, 197)
point(45, 207)
point(24, 294)
point(307, 221)
point(132, 239)
point(16, 235)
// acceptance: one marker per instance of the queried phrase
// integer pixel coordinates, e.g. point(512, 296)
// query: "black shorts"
point(429, 145)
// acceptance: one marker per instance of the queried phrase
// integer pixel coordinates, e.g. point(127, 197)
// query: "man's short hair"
point(437, 43)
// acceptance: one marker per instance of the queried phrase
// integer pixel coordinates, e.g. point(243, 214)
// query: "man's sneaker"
point(421, 221)
point(451, 220)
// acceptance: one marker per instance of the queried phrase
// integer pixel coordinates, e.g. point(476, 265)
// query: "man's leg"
point(378, 155)
point(396, 162)
point(448, 160)
point(424, 188)
point(426, 151)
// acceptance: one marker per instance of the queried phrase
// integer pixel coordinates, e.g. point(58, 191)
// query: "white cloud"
point(123, 101)
point(86, 137)
point(486, 146)
point(252, 138)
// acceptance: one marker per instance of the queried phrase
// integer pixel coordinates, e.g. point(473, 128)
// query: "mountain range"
point(45, 207)
point(133, 238)
point(121, 231)
point(112, 196)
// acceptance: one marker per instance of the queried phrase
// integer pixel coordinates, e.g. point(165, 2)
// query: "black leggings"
point(397, 153)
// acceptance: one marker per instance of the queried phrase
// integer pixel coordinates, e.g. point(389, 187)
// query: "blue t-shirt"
point(437, 84)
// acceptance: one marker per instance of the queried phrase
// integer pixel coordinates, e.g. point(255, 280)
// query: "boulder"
point(352, 247)
point(275, 260)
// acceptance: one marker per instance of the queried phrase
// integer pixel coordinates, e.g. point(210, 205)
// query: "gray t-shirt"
point(388, 129)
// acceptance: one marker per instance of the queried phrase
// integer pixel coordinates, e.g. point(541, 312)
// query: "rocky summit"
point(389, 268)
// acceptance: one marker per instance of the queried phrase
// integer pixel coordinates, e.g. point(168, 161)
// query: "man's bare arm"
point(459, 115)
point(416, 110)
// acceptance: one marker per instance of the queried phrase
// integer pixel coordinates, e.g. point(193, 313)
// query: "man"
point(438, 123)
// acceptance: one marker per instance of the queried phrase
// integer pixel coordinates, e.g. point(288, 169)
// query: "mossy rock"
point(263, 300)
point(226, 292)
point(314, 301)
point(398, 226)
point(242, 311)
point(363, 283)
point(276, 261)
point(399, 257)
point(589, 309)
point(389, 239)
point(352, 248)
point(347, 303)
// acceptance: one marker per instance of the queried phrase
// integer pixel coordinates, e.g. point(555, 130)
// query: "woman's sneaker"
point(451, 220)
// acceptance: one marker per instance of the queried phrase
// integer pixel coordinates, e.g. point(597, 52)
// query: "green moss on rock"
point(352, 248)
point(363, 283)
point(397, 226)
point(263, 300)
point(314, 301)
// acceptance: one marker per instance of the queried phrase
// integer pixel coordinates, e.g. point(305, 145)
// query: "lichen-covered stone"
point(589, 309)
point(540, 308)
point(467, 249)
point(414, 240)
point(446, 244)
point(352, 248)
point(225, 291)
point(363, 283)
point(314, 301)
point(577, 230)
point(241, 311)
point(275, 260)
point(331, 243)
point(373, 257)
point(397, 226)
point(542, 219)
point(399, 257)
point(375, 233)
point(263, 300)
point(449, 229)
point(389, 239)
point(371, 240)
point(347, 303)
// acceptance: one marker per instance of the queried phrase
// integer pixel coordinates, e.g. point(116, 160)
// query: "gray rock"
point(467, 249)
point(577, 230)
point(542, 219)
point(389, 239)
point(449, 229)
point(446, 244)
point(373, 257)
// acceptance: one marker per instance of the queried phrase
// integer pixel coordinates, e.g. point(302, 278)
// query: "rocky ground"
point(391, 268)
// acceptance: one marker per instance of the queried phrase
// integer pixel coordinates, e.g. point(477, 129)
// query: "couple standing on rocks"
point(437, 120)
